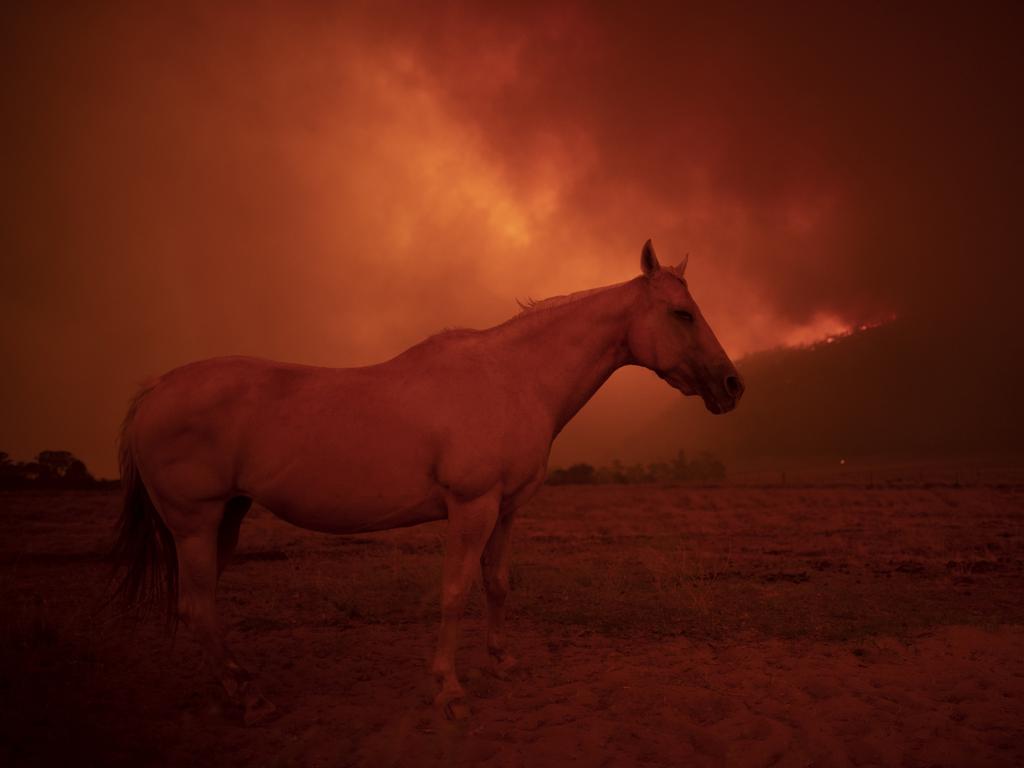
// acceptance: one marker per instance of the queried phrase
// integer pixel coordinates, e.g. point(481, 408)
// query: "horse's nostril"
point(733, 385)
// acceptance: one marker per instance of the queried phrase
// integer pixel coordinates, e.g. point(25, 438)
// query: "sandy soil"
point(655, 626)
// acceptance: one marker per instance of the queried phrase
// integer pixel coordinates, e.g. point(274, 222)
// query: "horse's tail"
point(144, 549)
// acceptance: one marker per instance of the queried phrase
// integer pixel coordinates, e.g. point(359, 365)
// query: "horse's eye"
point(684, 315)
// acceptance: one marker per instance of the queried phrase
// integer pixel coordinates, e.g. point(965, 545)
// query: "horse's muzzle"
point(719, 407)
point(724, 398)
point(734, 386)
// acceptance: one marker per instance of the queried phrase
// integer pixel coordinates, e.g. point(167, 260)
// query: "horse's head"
point(670, 336)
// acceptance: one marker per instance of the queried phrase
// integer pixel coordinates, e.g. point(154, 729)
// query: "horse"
point(459, 426)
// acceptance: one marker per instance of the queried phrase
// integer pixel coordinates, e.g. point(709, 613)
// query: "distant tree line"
point(50, 469)
point(703, 468)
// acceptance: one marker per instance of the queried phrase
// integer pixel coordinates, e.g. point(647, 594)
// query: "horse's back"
point(306, 442)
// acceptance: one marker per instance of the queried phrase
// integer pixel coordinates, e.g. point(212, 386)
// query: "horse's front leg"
point(494, 568)
point(470, 524)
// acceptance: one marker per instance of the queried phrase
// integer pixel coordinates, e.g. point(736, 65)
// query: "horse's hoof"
point(503, 668)
point(456, 710)
point(452, 706)
point(259, 710)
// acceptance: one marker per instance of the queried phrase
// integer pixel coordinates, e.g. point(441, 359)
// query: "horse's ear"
point(681, 267)
point(648, 260)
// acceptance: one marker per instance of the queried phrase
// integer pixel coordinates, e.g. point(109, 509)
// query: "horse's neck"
point(565, 353)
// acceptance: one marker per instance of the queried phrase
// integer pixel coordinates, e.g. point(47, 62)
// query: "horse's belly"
point(339, 501)
point(358, 518)
point(361, 469)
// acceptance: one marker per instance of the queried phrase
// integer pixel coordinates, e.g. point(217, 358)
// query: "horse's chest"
point(509, 455)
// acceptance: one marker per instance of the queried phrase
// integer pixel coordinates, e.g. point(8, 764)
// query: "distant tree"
point(680, 471)
point(659, 472)
point(703, 468)
point(76, 474)
point(51, 469)
point(706, 468)
point(636, 474)
point(54, 465)
point(577, 474)
point(8, 470)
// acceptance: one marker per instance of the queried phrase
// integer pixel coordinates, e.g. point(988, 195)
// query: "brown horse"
point(459, 426)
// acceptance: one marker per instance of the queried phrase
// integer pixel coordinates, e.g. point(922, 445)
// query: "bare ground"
point(655, 626)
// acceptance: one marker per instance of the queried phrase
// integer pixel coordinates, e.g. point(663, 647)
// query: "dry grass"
point(627, 567)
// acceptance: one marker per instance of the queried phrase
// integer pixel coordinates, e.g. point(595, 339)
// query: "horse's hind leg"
point(198, 563)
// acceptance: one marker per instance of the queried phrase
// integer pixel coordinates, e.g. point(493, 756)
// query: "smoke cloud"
point(329, 186)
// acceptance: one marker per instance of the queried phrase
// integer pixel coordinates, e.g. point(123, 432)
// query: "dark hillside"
point(893, 390)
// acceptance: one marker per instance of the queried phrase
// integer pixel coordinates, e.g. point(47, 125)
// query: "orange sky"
point(329, 186)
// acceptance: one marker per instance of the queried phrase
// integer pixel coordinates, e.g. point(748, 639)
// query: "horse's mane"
point(535, 305)
point(528, 307)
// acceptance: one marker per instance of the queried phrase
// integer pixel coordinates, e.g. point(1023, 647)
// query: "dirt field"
point(655, 626)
